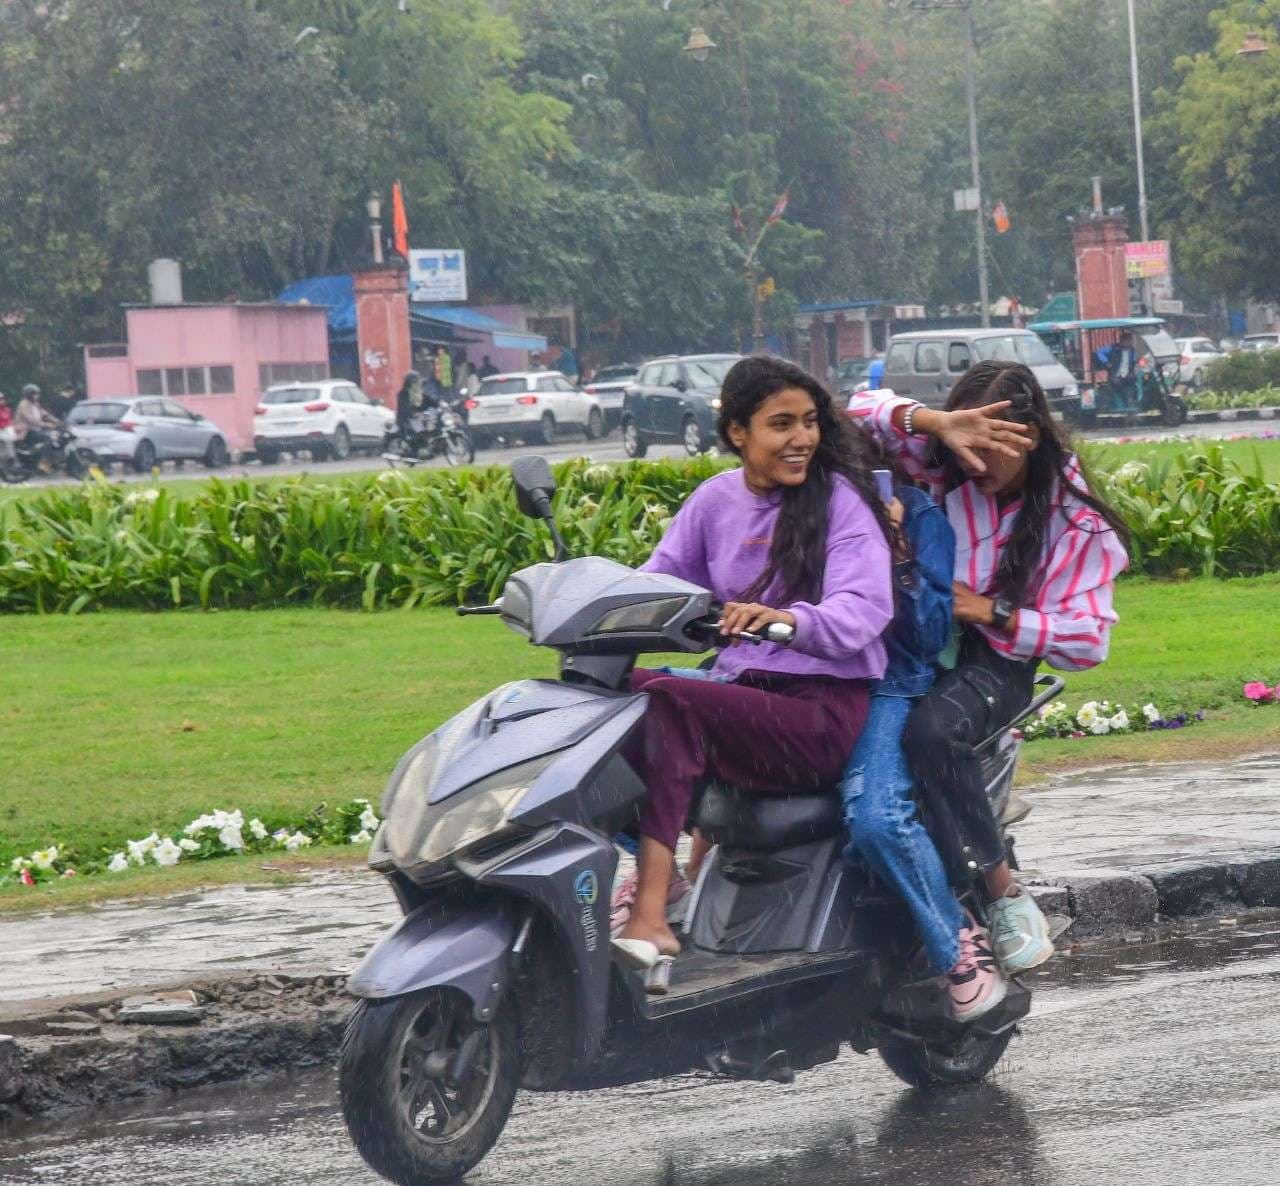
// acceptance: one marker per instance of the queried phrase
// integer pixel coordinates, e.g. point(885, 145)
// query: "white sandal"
point(642, 956)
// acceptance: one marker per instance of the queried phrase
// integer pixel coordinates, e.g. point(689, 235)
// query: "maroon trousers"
point(764, 733)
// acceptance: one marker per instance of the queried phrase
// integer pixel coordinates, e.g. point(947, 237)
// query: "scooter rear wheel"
point(923, 1065)
point(412, 1121)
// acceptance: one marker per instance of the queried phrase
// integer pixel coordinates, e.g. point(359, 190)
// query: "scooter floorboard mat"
point(700, 978)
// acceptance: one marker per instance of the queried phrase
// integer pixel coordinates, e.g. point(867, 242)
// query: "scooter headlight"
point(640, 617)
point(420, 834)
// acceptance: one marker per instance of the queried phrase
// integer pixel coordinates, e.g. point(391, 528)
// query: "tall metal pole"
point(744, 105)
point(1137, 136)
point(971, 51)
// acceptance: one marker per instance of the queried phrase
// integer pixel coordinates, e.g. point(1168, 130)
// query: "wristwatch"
point(1002, 609)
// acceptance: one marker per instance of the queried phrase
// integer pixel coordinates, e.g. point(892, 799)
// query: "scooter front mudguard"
point(463, 947)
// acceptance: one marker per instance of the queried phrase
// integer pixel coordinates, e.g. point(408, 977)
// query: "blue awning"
point(335, 294)
point(505, 337)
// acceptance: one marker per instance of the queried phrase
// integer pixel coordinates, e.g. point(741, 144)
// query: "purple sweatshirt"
point(720, 540)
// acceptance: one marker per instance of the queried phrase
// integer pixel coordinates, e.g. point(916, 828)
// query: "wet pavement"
point(610, 449)
point(1149, 1065)
point(1123, 818)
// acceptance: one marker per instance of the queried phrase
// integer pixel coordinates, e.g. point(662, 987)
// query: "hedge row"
point(444, 537)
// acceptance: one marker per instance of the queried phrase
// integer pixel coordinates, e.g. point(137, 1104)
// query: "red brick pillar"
point(1101, 281)
point(382, 330)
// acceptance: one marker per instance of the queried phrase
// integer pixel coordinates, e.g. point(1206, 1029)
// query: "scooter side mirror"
point(535, 486)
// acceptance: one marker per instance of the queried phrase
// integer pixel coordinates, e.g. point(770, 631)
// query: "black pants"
point(966, 706)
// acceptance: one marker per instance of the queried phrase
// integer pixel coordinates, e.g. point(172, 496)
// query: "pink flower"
point(1258, 692)
point(26, 877)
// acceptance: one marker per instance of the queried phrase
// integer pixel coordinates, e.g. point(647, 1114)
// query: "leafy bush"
point(1247, 371)
point(1217, 401)
point(444, 537)
point(1197, 513)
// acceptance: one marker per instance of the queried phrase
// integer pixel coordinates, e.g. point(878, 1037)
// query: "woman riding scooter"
point(1035, 566)
point(797, 536)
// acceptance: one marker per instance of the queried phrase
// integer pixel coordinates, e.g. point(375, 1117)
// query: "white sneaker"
point(1021, 933)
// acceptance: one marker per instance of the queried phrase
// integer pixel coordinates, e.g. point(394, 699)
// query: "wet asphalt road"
point(1147, 1065)
point(607, 449)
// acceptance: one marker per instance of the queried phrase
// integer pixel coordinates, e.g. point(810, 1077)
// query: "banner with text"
point(437, 275)
point(1142, 261)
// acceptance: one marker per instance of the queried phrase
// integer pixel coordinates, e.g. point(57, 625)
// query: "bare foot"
point(664, 939)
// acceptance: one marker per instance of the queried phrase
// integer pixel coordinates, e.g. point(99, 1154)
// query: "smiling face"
point(779, 441)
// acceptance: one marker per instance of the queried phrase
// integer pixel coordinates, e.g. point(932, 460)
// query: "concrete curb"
point(82, 1053)
point(1107, 900)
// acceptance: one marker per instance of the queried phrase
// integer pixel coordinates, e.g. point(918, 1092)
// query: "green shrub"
point(1217, 401)
point(445, 537)
point(1197, 513)
point(1246, 371)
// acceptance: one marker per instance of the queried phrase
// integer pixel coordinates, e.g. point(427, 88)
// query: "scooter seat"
point(754, 820)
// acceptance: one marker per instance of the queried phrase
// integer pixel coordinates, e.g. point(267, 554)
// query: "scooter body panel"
point(441, 945)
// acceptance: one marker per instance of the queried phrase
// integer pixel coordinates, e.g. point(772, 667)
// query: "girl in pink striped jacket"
point(1037, 554)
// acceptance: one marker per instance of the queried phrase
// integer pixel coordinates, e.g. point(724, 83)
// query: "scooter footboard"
point(464, 947)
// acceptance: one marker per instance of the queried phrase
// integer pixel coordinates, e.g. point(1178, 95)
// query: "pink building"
point(213, 359)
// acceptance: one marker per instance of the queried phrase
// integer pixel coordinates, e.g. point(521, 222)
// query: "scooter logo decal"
point(585, 887)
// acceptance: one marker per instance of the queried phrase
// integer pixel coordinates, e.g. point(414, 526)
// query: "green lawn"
point(118, 723)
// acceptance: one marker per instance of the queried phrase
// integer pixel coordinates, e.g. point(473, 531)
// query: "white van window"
point(958, 358)
point(929, 358)
point(898, 360)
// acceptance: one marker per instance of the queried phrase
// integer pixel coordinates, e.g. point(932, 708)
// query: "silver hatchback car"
point(146, 429)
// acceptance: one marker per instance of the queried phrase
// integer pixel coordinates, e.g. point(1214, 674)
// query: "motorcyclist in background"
point(31, 426)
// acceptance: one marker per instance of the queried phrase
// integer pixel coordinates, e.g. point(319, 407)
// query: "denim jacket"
point(921, 626)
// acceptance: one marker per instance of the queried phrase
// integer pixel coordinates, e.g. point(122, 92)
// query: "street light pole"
point(975, 157)
point(975, 160)
point(1137, 136)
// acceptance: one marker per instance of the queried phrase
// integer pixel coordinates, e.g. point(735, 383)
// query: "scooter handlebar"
point(468, 611)
point(778, 633)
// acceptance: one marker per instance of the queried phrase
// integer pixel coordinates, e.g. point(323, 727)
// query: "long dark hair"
point(1049, 471)
point(798, 552)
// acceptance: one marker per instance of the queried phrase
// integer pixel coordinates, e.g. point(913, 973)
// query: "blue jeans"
point(886, 832)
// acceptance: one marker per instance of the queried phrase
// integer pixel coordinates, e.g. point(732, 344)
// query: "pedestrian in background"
point(487, 368)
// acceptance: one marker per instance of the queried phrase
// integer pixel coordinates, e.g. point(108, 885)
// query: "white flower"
point(368, 819)
point(1100, 726)
point(118, 863)
point(296, 841)
point(231, 838)
point(19, 863)
point(166, 852)
point(189, 845)
point(360, 837)
point(257, 829)
point(280, 835)
point(1131, 471)
point(44, 858)
point(138, 849)
point(1088, 715)
point(1120, 721)
point(1152, 713)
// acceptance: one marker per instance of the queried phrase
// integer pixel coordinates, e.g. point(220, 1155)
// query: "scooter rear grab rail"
point(1052, 686)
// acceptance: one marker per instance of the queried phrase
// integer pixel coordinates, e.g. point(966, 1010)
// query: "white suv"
point(1197, 354)
point(534, 406)
point(328, 418)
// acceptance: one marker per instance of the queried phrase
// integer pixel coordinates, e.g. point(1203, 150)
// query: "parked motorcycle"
point(497, 842)
point(430, 434)
point(20, 460)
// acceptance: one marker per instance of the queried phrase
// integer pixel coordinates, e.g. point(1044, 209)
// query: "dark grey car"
point(675, 400)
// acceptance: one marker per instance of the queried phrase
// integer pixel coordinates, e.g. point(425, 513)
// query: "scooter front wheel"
point(426, 1089)
point(928, 1065)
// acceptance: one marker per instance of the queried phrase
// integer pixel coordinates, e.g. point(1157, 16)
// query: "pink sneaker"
point(625, 895)
point(975, 983)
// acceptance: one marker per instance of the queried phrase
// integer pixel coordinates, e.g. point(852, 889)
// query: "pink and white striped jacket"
point(1068, 621)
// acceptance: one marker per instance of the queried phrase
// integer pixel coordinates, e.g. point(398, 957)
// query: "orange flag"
point(399, 222)
point(1000, 216)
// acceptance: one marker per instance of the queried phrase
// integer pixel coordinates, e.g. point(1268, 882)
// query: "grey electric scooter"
point(497, 843)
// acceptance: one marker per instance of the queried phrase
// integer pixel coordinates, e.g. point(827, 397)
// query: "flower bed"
point(1221, 401)
point(1259, 692)
point(1100, 718)
point(217, 834)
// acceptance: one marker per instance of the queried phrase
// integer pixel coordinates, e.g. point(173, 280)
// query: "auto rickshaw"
point(1141, 386)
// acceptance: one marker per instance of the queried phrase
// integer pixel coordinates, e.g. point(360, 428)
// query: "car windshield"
point(1160, 344)
point(615, 374)
point(504, 386)
point(105, 413)
point(290, 395)
point(708, 372)
point(1024, 348)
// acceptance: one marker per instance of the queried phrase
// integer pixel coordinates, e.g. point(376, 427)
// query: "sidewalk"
point(1112, 848)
